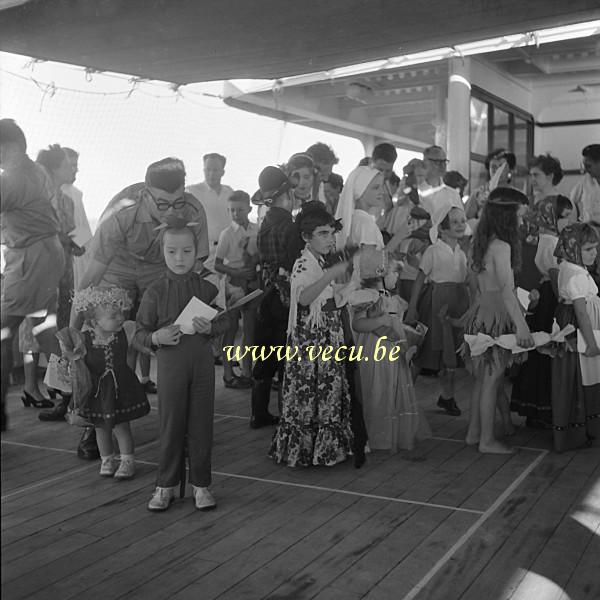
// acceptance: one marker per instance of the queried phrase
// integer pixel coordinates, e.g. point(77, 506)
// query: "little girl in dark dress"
point(115, 396)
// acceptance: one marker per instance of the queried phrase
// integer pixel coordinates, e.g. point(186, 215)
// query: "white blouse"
point(575, 282)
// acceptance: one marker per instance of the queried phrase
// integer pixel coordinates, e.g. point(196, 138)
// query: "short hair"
point(313, 215)
point(215, 156)
point(322, 153)
point(385, 152)
point(562, 203)
point(336, 181)
point(431, 149)
point(167, 174)
point(11, 133)
point(511, 159)
point(548, 165)
point(455, 180)
point(70, 152)
point(364, 162)
point(394, 179)
point(592, 151)
point(239, 196)
point(52, 157)
point(301, 160)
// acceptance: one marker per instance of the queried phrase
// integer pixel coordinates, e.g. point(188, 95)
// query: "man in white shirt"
point(213, 196)
point(435, 161)
point(585, 196)
point(82, 226)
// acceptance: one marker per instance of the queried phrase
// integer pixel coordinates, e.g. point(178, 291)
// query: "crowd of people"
point(365, 284)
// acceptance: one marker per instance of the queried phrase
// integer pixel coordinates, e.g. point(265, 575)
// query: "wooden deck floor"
point(457, 525)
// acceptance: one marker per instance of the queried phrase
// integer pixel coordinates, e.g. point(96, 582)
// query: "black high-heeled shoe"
point(29, 400)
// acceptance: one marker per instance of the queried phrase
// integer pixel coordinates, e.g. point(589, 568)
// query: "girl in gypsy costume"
point(496, 311)
point(315, 421)
point(115, 395)
point(532, 386)
point(393, 417)
point(576, 374)
point(444, 300)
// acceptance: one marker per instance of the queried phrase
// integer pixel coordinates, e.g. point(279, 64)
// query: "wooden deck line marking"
point(482, 519)
point(444, 439)
point(261, 479)
point(231, 416)
point(64, 475)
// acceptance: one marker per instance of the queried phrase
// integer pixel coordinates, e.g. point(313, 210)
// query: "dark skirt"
point(443, 339)
point(575, 408)
point(532, 388)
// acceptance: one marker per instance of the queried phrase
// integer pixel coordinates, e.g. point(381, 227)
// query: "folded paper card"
point(194, 308)
point(523, 297)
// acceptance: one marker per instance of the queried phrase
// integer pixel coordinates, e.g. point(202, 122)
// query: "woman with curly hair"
point(496, 311)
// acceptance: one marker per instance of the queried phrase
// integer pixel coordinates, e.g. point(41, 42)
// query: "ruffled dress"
point(316, 410)
point(393, 417)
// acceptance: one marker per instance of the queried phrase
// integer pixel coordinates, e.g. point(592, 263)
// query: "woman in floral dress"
point(315, 421)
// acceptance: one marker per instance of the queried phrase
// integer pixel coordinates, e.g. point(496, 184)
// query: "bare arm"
point(311, 292)
point(364, 324)
point(585, 326)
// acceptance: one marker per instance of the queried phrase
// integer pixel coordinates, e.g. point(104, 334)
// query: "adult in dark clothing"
point(34, 255)
point(279, 245)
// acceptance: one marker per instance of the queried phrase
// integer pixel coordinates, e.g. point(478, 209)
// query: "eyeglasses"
point(439, 161)
point(164, 205)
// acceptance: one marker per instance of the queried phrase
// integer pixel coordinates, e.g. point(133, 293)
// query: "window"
point(497, 124)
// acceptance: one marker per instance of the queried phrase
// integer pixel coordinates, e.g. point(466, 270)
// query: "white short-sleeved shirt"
point(364, 230)
point(575, 282)
point(430, 196)
point(217, 215)
point(442, 264)
point(544, 256)
point(232, 241)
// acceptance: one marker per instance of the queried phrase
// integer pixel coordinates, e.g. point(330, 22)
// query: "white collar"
point(236, 226)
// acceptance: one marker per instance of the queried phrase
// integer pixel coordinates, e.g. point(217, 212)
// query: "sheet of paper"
point(194, 308)
point(80, 235)
point(523, 297)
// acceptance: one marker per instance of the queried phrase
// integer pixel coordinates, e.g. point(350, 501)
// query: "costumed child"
point(495, 312)
point(444, 300)
point(576, 374)
point(410, 250)
point(532, 387)
point(107, 393)
point(392, 415)
point(186, 372)
point(315, 421)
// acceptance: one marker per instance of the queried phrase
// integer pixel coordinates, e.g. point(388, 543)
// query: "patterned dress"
point(315, 422)
point(117, 395)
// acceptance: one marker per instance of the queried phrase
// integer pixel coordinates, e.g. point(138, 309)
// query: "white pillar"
point(459, 121)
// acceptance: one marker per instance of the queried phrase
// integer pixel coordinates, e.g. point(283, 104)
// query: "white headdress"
point(354, 188)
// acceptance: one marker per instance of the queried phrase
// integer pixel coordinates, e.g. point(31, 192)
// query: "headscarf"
point(545, 214)
point(445, 201)
point(355, 187)
point(569, 243)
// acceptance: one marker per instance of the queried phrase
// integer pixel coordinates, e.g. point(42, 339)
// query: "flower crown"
point(101, 296)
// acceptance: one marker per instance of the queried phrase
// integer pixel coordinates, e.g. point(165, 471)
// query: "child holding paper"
point(186, 373)
point(576, 374)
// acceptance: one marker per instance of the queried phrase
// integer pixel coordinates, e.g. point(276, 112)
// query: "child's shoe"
point(161, 499)
point(107, 467)
point(126, 468)
point(203, 499)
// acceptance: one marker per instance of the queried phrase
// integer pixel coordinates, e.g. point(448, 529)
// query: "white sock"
point(109, 457)
point(127, 457)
